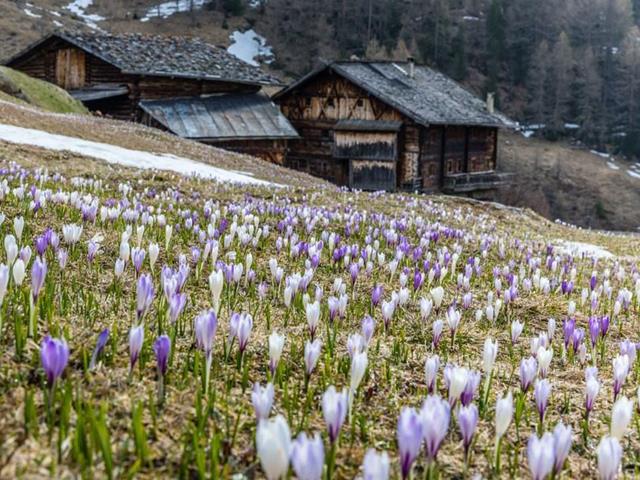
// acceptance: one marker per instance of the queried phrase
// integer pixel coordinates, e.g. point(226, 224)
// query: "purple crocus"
point(144, 295)
point(176, 306)
point(262, 400)
point(528, 369)
point(307, 457)
point(376, 295)
point(311, 355)
point(205, 326)
point(368, 326)
point(540, 456)
point(471, 388)
point(243, 330)
point(54, 354)
point(38, 274)
point(410, 437)
point(561, 445)
point(594, 330)
point(541, 392)
point(103, 337)
point(435, 415)
point(334, 410)
point(136, 339)
point(467, 422)
point(162, 349)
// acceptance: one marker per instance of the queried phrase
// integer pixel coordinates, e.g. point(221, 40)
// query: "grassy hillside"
point(37, 93)
point(453, 275)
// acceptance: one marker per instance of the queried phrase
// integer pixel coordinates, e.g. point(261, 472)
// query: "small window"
point(360, 102)
point(308, 101)
point(331, 103)
point(432, 169)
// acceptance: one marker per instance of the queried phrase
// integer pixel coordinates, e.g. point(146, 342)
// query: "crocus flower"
point(18, 272)
point(103, 337)
point(593, 387)
point(435, 415)
point(540, 455)
point(177, 303)
point(311, 355)
point(376, 295)
point(368, 327)
point(307, 457)
point(437, 327)
point(410, 438)
point(528, 369)
point(245, 324)
point(276, 345)
point(489, 356)
point(38, 274)
point(262, 400)
point(162, 349)
point(136, 338)
point(205, 326)
point(431, 367)
point(54, 355)
point(4, 281)
point(425, 308)
point(504, 414)
point(334, 410)
point(273, 442)
point(609, 458)
point(359, 364)
point(470, 388)
point(388, 309)
point(456, 380)
point(620, 372)
point(621, 414)
point(544, 356)
point(313, 317)
point(561, 445)
point(437, 294)
point(375, 465)
point(541, 391)
point(144, 295)
point(467, 422)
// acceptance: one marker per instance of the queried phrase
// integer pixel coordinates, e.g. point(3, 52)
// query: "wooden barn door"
point(70, 68)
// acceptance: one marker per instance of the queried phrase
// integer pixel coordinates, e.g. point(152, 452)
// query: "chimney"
point(412, 67)
point(490, 102)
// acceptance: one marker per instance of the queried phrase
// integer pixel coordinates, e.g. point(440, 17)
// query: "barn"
point(182, 85)
point(392, 126)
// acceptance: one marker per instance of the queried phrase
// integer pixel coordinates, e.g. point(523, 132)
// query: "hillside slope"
point(572, 184)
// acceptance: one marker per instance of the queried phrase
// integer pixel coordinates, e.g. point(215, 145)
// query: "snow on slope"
point(577, 249)
point(248, 46)
point(78, 7)
point(170, 7)
point(123, 156)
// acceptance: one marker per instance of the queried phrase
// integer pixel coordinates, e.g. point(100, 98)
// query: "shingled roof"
point(166, 56)
point(427, 97)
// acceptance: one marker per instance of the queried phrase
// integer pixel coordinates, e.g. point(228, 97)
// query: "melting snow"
point(31, 14)
point(633, 174)
point(613, 166)
point(57, 23)
point(600, 154)
point(471, 18)
point(248, 46)
point(571, 126)
point(122, 156)
point(78, 7)
point(171, 7)
point(577, 249)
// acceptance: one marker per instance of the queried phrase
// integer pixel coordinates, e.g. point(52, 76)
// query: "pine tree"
point(536, 85)
point(459, 71)
point(495, 44)
point(588, 98)
point(560, 81)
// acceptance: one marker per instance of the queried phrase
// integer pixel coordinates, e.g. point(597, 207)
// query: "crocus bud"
point(18, 272)
point(54, 355)
point(18, 227)
point(273, 442)
point(276, 345)
point(540, 455)
point(438, 295)
point(435, 415)
point(262, 400)
point(162, 349)
point(100, 344)
point(311, 355)
point(313, 317)
point(154, 251)
point(136, 338)
point(359, 364)
point(375, 466)
point(307, 457)
point(205, 326)
point(334, 410)
point(431, 367)
point(489, 356)
point(504, 413)
point(561, 445)
point(541, 391)
point(621, 414)
point(410, 438)
point(609, 458)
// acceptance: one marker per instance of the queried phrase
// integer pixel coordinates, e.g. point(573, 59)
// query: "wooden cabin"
point(392, 126)
point(182, 85)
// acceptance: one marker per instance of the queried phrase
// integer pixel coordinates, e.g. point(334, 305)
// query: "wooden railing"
point(467, 182)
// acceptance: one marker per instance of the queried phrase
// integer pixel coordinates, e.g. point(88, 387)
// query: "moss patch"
point(37, 92)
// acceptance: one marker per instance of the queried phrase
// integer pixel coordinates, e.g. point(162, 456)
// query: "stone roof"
point(427, 96)
point(167, 56)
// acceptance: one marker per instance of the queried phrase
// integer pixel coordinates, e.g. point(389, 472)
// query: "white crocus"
point(273, 444)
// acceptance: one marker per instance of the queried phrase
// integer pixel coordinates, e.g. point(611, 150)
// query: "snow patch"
point(577, 249)
point(79, 7)
point(471, 18)
point(249, 46)
point(31, 14)
point(528, 133)
point(633, 174)
point(256, 3)
point(171, 7)
point(571, 126)
point(601, 154)
point(57, 23)
point(123, 156)
point(613, 166)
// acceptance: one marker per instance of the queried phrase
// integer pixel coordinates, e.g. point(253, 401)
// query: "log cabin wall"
point(316, 107)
